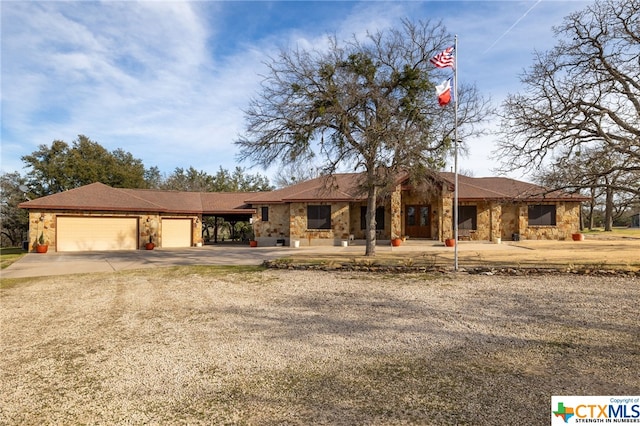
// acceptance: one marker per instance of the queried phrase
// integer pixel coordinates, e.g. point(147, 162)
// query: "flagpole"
point(455, 154)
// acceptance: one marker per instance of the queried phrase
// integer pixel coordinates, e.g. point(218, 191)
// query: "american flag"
point(443, 59)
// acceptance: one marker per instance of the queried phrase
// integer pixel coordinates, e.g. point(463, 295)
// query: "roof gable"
point(339, 187)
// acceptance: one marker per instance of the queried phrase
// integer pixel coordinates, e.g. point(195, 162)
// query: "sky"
point(168, 81)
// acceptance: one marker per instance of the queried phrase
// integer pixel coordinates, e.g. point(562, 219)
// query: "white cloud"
point(146, 77)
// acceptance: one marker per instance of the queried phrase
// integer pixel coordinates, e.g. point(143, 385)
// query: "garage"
point(96, 233)
point(176, 233)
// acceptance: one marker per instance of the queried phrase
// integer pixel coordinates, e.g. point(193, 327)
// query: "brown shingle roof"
point(95, 196)
point(341, 187)
point(344, 187)
point(502, 188)
point(98, 196)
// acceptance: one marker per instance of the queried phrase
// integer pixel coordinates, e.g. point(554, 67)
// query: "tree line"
point(61, 166)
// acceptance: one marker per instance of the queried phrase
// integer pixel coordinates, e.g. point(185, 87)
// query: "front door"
point(417, 223)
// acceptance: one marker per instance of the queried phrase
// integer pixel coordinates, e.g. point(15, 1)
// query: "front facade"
point(489, 209)
point(316, 212)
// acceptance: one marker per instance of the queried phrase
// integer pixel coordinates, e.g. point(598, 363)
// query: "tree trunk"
point(592, 207)
point(371, 220)
point(608, 212)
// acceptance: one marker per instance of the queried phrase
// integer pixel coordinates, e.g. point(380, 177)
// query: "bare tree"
point(582, 95)
point(295, 173)
point(361, 105)
point(603, 174)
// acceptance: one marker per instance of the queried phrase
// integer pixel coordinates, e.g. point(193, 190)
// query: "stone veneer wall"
point(502, 220)
point(567, 223)
point(510, 221)
point(395, 214)
point(46, 226)
point(148, 224)
point(277, 227)
point(340, 221)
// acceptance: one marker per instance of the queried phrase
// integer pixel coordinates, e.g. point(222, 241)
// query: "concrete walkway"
point(35, 265)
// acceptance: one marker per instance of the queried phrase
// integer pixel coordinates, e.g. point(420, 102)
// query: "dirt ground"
point(203, 345)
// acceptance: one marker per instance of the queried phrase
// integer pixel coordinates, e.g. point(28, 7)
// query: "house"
point(321, 211)
point(98, 217)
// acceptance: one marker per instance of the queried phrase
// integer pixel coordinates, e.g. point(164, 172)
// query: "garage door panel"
point(96, 233)
point(176, 233)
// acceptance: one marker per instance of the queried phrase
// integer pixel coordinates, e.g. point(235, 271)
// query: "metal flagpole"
point(455, 155)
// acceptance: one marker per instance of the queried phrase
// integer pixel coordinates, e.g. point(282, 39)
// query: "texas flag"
point(445, 95)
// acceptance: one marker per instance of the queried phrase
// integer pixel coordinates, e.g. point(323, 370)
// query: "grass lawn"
point(8, 255)
point(614, 233)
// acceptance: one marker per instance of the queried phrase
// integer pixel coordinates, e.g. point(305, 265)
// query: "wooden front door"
point(417, 221)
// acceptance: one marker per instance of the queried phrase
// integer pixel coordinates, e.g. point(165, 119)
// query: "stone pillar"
point(396, 213)
point(197, 230)
point(297, 221)
point(447, 217)
point(496, 221)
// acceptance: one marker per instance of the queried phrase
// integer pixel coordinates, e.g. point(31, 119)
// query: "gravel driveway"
point(202, 345)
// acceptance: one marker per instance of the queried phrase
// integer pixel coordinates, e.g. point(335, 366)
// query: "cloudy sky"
point(167, 81)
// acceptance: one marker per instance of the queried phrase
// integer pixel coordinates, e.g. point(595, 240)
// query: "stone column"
point(496, 221)
point(396, 213)
point(447, 216)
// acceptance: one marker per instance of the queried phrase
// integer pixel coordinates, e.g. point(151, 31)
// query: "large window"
point(468, 217)
point(542, 215)
point(379, 218)
point(318, 217)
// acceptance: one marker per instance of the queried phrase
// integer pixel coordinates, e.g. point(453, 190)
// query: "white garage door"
point(96, 233)
point(176, 233)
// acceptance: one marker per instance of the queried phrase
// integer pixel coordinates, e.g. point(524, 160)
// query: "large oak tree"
point(578, 116)
point(61, 167)
point(359, 105)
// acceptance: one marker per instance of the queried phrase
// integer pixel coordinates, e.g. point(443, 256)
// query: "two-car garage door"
point(115, 233)
point(96, 233)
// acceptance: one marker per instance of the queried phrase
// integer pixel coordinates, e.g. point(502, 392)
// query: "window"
point(379, 218)
point(264, 213)
point(542, 215)
point(468, 217)
point(318, 217)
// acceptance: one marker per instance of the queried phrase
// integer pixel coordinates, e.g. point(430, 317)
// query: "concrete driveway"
point(35, 265)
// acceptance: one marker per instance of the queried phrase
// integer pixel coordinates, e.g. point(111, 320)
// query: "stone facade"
point(567, 223)
point(42, 223)
point(267, 232)
point(495, 220)
point(148, 225)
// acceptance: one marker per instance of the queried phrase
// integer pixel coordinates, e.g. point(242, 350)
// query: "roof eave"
point(90, 208)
